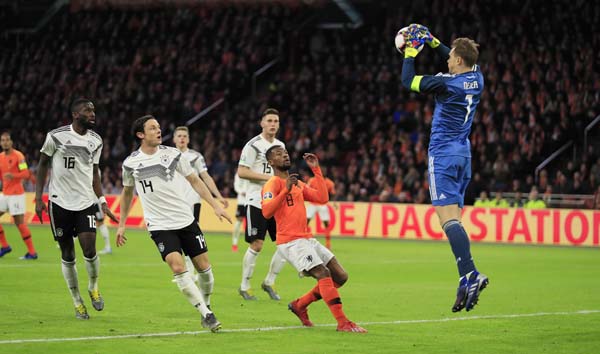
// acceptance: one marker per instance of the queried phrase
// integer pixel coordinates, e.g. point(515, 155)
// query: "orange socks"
point(332, 298)
point(26, 236)
point(3, 242)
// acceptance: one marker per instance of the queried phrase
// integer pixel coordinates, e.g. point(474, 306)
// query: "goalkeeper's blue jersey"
point(457, 97)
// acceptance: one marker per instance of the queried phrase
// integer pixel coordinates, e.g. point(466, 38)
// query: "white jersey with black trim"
point(199, 165)
point(253, 157)
point(160, 189)
point(73, 159)
point(240, 185)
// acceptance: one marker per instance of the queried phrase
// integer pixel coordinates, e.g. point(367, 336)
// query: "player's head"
point(147, 130)
point(181, 137)
point(269, 122)
point(6, 141)
point(463, 55)
point(83, 113)
point(278, 157)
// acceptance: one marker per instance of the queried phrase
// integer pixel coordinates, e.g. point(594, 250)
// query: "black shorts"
point(197, 207)
point(69, 223)
point(240, 212)
point(257, 226)
point(190, 240)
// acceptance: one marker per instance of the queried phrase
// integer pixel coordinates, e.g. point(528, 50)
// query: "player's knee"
point(341, 279)
point(320, 272)
point(68, 255)
point(257, 245)
point(178, 268)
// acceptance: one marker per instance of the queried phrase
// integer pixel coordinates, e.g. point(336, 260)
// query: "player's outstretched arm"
point(246, 173)
point(212, 187)
point(200, 188)
point(42, 172)
point(317, 192)
point(126, 198)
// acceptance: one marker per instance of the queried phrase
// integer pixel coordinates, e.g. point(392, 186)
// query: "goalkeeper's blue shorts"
point(449, 177)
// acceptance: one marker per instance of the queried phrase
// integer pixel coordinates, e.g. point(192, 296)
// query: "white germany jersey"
point(199, 165)
point(73, 159)
point(159, 188)
point(240, 185)
point(253, 156)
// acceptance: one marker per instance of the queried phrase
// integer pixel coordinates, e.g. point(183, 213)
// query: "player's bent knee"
point(319, 272)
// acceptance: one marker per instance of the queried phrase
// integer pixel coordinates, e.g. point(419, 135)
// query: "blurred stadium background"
point(331, 69)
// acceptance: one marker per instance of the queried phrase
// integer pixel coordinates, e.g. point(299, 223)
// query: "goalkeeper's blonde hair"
point(467, 49)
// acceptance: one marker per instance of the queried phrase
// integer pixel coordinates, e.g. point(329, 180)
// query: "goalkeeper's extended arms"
point(421, 83)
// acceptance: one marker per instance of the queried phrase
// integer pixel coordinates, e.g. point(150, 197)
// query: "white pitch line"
point(284, 328)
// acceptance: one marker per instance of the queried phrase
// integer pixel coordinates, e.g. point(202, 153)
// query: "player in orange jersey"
point(283, 197)
point(322, 209)
point(13, 170)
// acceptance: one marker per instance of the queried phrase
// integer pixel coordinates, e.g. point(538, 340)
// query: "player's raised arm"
point(273, 196)
point(317, 191)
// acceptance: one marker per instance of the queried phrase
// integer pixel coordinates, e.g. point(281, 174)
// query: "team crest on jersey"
point(165, 160)
point(91, 146)
point(161, 247)
point(59, 232)
point(267, 196)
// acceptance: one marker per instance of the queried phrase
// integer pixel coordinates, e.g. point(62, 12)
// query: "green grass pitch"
point(540, 300)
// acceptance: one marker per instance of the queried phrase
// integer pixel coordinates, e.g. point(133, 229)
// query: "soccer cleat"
point(5, 250)
point(211, 322)
point(234, 248)
point(350, 326)
point(301, 313)
point(271, 291)
point(97, 300)
point(247, 294)
point(81, 312)
point(475, 285)
point(29, 256)
point(461, 295)
point(106, 250)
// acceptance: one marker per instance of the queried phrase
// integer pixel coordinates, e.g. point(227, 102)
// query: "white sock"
point(206, 282)
point(105, 235)
point(191, 292)
point(189, 265)
point(277, 263)
point(70, 274)
point(248, 265)
point(236, 232)
point(92, 265)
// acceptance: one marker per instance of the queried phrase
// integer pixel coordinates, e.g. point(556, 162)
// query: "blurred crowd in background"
point(338, 91)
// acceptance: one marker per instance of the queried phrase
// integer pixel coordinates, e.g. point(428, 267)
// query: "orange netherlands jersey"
point(13, 163)
point(288, 207)
point(330, 186)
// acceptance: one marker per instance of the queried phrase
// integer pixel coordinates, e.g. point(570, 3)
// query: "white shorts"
point(305, 254)
point(323, 211)
point(14, 204)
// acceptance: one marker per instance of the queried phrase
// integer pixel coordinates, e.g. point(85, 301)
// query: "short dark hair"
point(467, 49)
point(6, 132)
point(138, 125)
point(270, 151)
point(78, 102)
point(269, 111)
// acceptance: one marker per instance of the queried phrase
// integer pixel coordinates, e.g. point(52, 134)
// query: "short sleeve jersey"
point(160, 189)
point(73, 159)
point(253, 157)
point(197, 162)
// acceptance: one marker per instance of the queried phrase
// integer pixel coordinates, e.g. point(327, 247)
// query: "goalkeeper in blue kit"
point(456, 97)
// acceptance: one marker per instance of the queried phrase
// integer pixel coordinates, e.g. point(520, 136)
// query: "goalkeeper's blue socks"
point(459, 241)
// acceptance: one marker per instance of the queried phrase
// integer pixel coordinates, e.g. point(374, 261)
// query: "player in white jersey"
point(159, 174)
point(239, 185)
point(74, 153)
point(181, 138)
point(254, 168)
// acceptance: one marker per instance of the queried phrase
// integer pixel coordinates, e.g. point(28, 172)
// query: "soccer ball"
point(400, 40)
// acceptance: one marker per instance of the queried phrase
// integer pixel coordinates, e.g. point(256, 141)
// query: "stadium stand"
point(338, 91)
